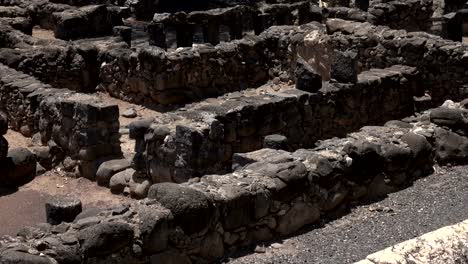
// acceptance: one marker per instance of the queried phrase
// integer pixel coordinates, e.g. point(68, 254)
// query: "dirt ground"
point(26, 206)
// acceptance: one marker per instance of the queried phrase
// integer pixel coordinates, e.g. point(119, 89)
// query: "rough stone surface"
point(444, 245)
point(120, 181)
point(191, 208)
point(62, 209)
point(109, 168)
point(3, 123)
point(306, 77)
point(105, 238)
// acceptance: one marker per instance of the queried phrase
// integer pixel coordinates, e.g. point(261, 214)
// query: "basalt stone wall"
point(84, 127)
point(201, 139)
point(151, 75)
point(55, 62)
point(211, 24)
point(442, 63)
point(413, 15)
point(272, 193)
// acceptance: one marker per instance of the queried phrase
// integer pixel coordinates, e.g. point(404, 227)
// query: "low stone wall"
point(448, 244)
point(201, 139)
point(272, 193)
point(413, 15)
point(77, 63)
point(81, 125)
point(85, 22)
point(442, 63)
point(212, 23)
point(151, 75)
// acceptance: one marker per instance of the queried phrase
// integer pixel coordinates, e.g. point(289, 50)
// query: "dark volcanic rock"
point(109, 168)
point(3, 147)
point(453, 118)
point(344, 66)
point(276, 142)
point(450, 147)
point(191, 208)
point(105, 238)
point(16, 257)
point(306, 77)
point(3, 123)
point(62, 209)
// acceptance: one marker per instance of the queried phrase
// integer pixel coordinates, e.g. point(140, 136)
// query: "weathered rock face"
point(306, 77)
point(199, 142)
point(20, 167)
point(444, 245)
point(192, 210)
point(109, 169)
point(88, 129)
point(88, 21)
point(344, 67)
point(379, 47)
point(271, 192)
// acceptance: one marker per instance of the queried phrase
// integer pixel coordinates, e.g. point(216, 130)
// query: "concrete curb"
point(445, 245)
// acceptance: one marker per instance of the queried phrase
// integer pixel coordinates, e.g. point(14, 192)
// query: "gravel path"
point(433, 202)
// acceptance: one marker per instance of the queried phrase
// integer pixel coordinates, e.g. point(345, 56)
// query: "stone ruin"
point(262, 116)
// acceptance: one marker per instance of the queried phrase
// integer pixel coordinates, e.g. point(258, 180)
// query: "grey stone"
point(170, 257)
point(192, 210)
point(3, 147)
point(86, 222)
point(109, 168)
point(344, 68)
point(453, 118)
point(276, 142)
point(306, 78)
point(130, 113)
point(62, 209)
point(21, 166)
point(139, 188)
point(105, 238)
point(120, 181)
point(450, 147)
point(3, 123)
point(40, 170)
point(299, 215)
point(16, 257)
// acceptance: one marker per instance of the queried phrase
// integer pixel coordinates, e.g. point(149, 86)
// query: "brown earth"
point(26, 205)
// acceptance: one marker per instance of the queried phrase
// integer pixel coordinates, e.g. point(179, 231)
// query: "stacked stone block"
point(271, 193)
point(3, 141)
point(442, 63)
point(82, 126)
point(88, 130)
point(201, 139)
